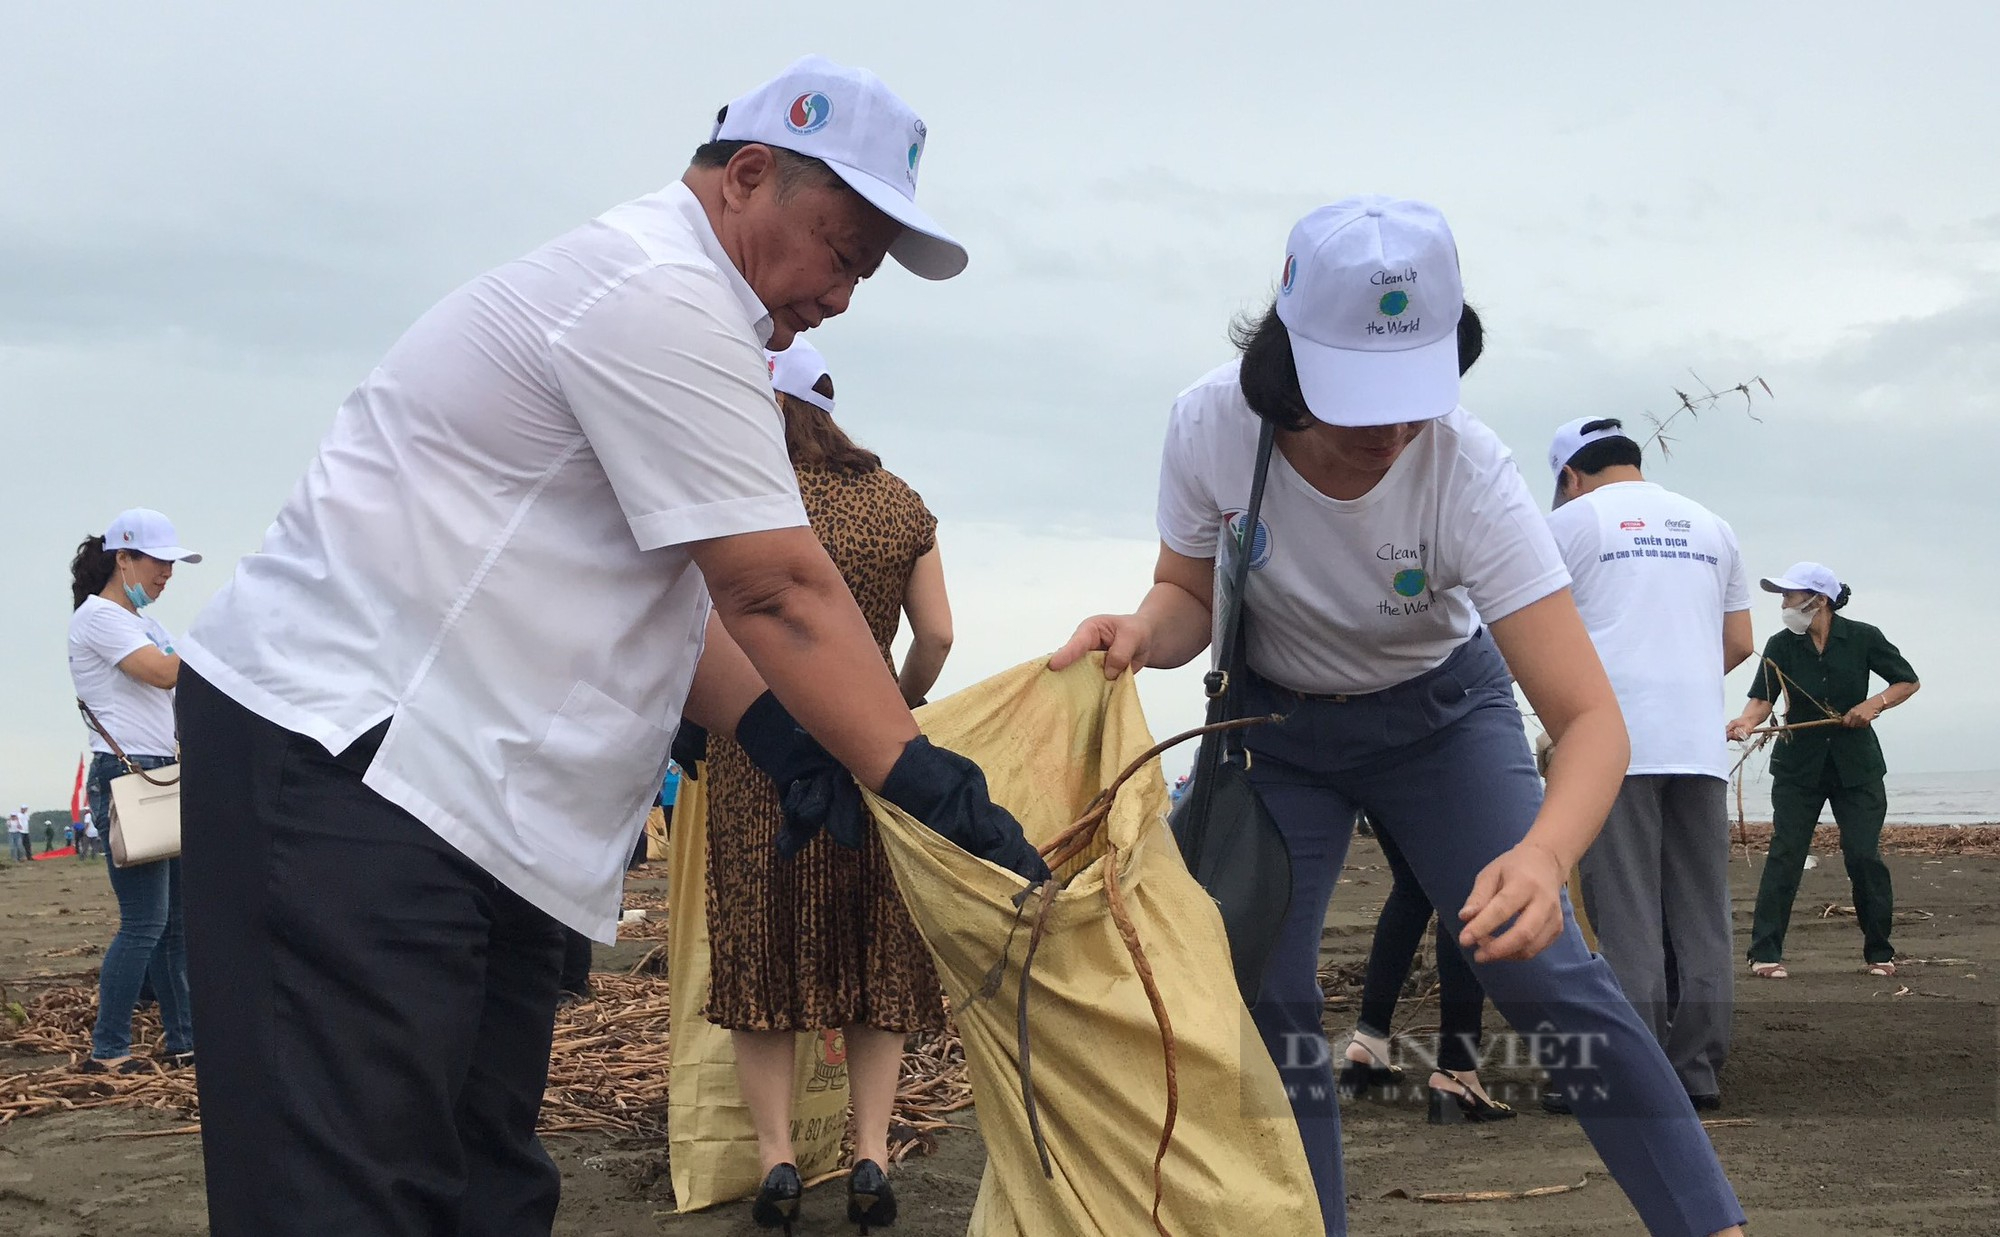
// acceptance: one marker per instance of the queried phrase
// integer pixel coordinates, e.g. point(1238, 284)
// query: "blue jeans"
point(1441, 765)
point(150, 941)
point(17, 847)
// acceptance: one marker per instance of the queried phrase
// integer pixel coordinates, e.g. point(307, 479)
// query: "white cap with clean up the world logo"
point(1370, 295)
point(852, 122)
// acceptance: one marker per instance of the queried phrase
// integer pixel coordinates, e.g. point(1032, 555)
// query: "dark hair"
point(1846, 595)
point(795, 171)
point(814, 440)
point(1595, 457)
point(90, 570)
point(1270, 377)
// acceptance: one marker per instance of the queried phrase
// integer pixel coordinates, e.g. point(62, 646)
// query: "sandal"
point(1883, 969)
point(1769, 970)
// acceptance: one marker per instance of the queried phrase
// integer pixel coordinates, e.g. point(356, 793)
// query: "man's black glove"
point(813, 789)
point(947, 793)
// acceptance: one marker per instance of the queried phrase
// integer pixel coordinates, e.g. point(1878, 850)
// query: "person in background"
point(1454, 1090)
point(124, 668)
point(810, 933)
point(91, 837)
point(17, 837)
point(1660, 583)
point(1821, 664)
point(1405, 579)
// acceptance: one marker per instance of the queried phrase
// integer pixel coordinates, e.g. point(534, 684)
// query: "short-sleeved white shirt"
point(490, 548)
point(1351, 597)
point(138, 715)
point(1655, 573)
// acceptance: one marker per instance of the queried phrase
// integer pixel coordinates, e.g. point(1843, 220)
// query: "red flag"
point(76, 796)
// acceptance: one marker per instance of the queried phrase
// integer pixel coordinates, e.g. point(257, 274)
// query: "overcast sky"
point(215, 217)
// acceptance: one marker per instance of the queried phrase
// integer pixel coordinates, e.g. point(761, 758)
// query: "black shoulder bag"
point(1226, 835)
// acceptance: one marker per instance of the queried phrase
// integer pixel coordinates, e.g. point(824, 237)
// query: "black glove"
point(948, 794)
point(813, 789)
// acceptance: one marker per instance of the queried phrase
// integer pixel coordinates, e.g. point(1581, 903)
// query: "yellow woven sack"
point(1049, 743)
point(712, 1147)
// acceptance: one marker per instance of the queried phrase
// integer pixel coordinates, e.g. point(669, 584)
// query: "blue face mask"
point(139, 598)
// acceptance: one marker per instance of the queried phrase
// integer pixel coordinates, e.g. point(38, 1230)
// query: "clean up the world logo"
point(1291, 275)
point(809, 112)
point(1260, 546)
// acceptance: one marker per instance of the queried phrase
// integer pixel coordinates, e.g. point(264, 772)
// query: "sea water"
point(1914, 798)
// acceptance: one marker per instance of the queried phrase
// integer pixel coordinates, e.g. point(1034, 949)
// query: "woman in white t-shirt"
point(1395, 530)
point(124, 668)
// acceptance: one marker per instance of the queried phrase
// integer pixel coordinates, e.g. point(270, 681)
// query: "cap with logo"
point(795, 372)
point(144, 531)
point(1805, 578)
point(1370, 295)
point(850, 121)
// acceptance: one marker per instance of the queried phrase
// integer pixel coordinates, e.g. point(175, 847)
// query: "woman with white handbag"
point(124, 668)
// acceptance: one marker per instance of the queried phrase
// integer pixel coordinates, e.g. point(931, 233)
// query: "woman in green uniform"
point(1821, 662)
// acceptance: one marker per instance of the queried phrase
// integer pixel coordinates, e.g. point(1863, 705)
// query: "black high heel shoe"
point(777, 1203)
point(871, 1200)
point(1464, 1107)
point(1357, 1078)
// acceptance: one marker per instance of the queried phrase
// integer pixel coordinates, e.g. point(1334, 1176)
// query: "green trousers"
point(1860, 811)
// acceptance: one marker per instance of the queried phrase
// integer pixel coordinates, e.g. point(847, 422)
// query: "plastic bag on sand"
point(1048, 743)
point(712, 1147)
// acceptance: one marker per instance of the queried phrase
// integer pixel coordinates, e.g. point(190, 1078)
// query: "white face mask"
point(1798, 622)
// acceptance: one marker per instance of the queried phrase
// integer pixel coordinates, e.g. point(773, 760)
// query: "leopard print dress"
point(822, 940)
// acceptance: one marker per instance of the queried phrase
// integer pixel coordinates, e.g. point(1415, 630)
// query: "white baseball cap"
point(1370, 295)
point(1571, 439)
point(849, 120)
point(1805, 578)
point(795, 371)
point(147, 532)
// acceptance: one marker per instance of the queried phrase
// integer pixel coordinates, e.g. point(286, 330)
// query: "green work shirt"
point(1837, 678)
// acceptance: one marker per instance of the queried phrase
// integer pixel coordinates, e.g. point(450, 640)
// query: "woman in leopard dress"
point(822, 940)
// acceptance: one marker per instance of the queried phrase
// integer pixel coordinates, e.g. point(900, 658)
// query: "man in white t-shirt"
point(422, 726)
point(17, 836)
point(1661, 587)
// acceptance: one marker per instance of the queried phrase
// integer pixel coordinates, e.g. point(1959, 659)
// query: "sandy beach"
point(1852, 1104)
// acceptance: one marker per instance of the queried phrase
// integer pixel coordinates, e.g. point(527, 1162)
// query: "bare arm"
point(1738, 645)
point(1515, 910)
point(1170, 628)
point(929, 607)
point(793, 624)
point(1755, 713)
point(1550, 654)
point(152, 667)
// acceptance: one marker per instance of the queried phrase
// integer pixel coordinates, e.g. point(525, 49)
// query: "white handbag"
point(145, 807)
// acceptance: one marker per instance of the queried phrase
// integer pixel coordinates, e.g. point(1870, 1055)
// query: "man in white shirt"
point(17, 836)
point(1660, 584)
point(422, 726)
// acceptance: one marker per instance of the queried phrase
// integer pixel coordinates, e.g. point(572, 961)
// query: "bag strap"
point(1231, 657)
point(119, 752)
point(1231, 651)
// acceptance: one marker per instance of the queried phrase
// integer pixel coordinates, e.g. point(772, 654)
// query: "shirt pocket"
point(597, 769)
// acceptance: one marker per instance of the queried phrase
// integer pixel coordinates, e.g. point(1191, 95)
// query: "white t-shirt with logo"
point(491, 548)
point(1351, 597)
point(1655, 573)
point(138, 715)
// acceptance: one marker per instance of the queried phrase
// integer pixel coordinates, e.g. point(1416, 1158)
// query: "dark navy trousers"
point(1441, 764)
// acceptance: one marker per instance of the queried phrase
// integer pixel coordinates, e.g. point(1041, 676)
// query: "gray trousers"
point(1656, 886)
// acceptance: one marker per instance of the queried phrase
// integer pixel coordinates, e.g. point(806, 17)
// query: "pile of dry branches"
point(1929, 841)
point(607, 1069)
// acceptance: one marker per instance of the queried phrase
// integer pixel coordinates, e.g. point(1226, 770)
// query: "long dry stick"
point(1071, 844)
point(1129, 932)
